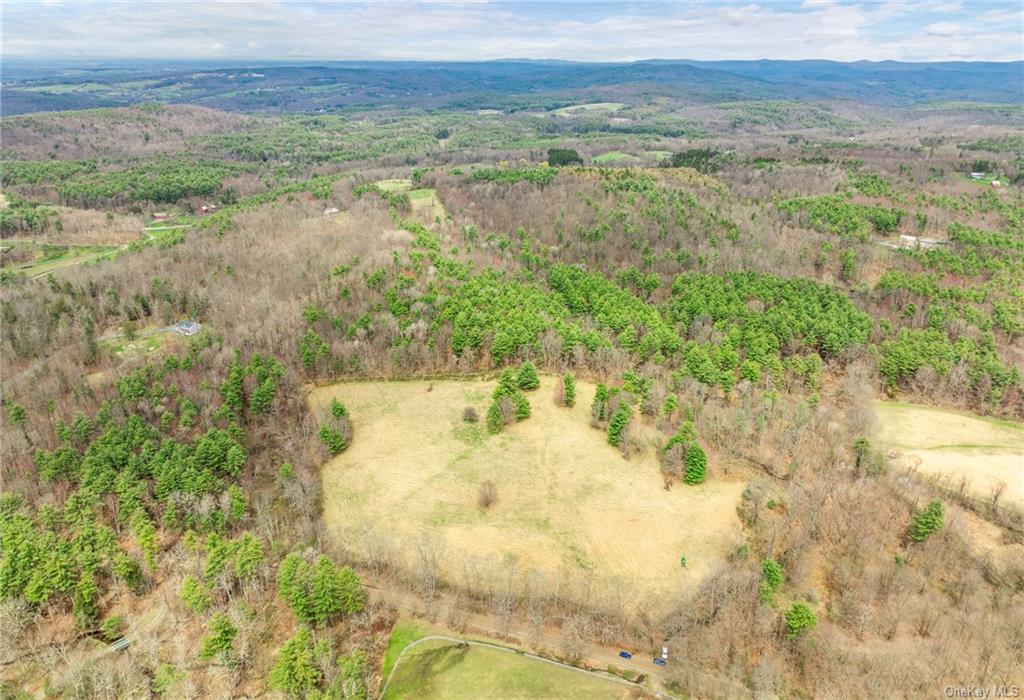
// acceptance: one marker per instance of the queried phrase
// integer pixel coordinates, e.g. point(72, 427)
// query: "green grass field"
point(616, 158)
point(589, 108)
point(443, 670)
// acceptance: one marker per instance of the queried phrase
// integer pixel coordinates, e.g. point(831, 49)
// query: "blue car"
point(659, 662)
point(625, 655)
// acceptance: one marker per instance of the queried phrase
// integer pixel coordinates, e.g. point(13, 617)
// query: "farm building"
point(160, 215)
point(187, 327)
point(996, 183)
point(977, 176)
point(330, 211)
point(919, 243)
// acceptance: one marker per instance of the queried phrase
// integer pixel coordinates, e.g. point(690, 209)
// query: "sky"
point(265, 30)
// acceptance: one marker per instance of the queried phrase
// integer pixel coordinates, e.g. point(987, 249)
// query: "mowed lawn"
point(567, 502)
point(443, 670)
point(954, 446)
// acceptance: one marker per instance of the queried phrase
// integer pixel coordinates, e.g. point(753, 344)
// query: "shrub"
point(926, 522)
point(527, 378)
point(469, 415)
point(569, 390)
point(338, 409)
point(696, 465)
point(800, 618)
point(488, 494)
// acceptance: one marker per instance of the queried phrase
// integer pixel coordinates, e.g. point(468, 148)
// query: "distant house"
point(330, 211)
point(207, 208)
point(160, 215)
point(919, 243)
point(977, 176)
point(996, 183)
point(187, 327)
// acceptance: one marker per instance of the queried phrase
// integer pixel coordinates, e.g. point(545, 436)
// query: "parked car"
point(659, 662)
point(625, 655)
point(664, 653)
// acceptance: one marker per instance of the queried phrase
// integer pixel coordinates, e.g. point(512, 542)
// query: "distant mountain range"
point(508, 84)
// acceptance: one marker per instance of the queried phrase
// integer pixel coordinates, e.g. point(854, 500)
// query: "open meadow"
point(983, 452)
point(568, 504)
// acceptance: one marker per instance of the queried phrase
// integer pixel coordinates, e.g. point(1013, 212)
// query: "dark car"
point(659, 662)
point(625, 655)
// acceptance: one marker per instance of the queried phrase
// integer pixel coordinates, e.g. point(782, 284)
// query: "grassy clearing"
point(34, 259)
point(567, 503)
point(440, 670)
point(658, 155)
point(403, 634)
point(617, 158)
point(426, 205)
point(589, 108)
point(954, 446)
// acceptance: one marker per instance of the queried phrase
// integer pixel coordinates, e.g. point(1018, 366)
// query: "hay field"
point(426, 205)
point(569, 506)
point(954, 446)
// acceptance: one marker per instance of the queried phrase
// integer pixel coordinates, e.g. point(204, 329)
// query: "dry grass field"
point(568, 504)
point(954, 446)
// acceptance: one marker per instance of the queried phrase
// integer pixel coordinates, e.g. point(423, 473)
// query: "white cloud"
point(390, 29)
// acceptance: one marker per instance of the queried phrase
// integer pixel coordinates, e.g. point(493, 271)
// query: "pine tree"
point(522, 405)
point(332, 439)
point(293, 577)
point(926, 522)
point(325, 591)
point(696, 465)
point(771, 579)
point(263, 397)
point(618, 424)
point(800, 618)
point(84, 608)
point(218, 643)
point(508, 384)
point(296, 672)
point(353, 597)
point(232, 390)
point(495, 419)
point(569, 390)
point(527, 378)
point(194, 595)
point(599, 407)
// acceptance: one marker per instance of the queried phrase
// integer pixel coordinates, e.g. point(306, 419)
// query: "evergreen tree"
point(696, 465)
point(338, 409)
point(232, 390)
point(771, 579)
point(218, 644)
point(618, 424)
point(333, 439)
point(522, 405)
point(495, 419)
point(527, 378)
point(508, 384)
point(194, 595)
point(926, 522)
point(599, 407)
point(800, 618)
point(569, 390)
point(325, 590)
point(85, 608)
point(296, 671)
point(263, 397)
point(292, 585)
